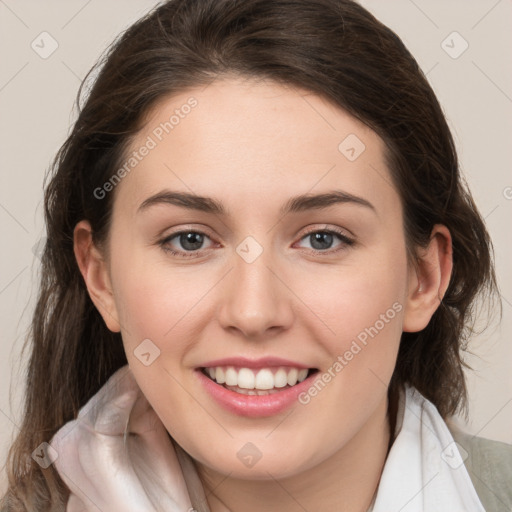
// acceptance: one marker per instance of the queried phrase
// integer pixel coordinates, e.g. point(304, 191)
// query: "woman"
point(190, 352)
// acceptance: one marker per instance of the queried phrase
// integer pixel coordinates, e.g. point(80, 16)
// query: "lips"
point(255, 388)
point(262, 362)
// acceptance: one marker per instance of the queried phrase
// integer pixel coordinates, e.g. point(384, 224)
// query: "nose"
point(256, 300)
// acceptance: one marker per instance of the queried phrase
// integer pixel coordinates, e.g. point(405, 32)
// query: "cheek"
point(165, 312)
point(361, 310)
point(156, 301)
point(350, 299)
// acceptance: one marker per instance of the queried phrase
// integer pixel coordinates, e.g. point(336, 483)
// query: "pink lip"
point(264, 362)
point(253, 406)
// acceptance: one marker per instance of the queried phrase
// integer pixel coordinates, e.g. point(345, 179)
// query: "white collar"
point(424, 471)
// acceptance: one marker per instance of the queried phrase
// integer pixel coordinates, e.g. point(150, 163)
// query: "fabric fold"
point(424, 470)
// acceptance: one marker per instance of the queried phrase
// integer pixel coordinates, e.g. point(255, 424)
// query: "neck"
point(349, 477)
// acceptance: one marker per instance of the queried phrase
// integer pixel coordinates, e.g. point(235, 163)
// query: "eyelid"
point(161, 237)
point(345, 233)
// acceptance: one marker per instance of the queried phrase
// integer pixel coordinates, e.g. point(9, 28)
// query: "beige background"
point(36, 100)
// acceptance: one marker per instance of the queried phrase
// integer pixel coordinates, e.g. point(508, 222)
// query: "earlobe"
point(94, 270)
point(429, 280)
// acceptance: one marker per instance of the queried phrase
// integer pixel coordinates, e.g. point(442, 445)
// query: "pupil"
point(319, 237)
point(189, 240)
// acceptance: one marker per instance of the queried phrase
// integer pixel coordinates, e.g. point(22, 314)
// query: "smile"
point(255, 388)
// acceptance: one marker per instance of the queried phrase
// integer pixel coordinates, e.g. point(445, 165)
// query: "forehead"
point(253, 142)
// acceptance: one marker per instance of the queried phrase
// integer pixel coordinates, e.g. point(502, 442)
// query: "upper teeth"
point(266, 378)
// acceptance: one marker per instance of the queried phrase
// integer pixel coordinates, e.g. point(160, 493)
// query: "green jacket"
point(489, 464)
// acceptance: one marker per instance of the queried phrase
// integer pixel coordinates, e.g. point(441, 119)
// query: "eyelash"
point(346, 242)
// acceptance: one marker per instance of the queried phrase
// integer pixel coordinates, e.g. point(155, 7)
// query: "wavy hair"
point(333, 48)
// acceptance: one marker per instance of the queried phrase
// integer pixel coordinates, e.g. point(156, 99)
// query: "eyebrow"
point(301, 203)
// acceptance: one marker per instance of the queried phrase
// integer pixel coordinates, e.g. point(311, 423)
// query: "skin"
point(253, 145)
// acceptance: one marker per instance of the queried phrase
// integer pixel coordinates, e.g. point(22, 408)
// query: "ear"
point(429, 280)
point(94, 270)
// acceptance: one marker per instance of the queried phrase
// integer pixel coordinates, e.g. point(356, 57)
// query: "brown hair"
point(333, 48)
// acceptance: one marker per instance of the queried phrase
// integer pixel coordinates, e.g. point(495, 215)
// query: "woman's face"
point(273, 284)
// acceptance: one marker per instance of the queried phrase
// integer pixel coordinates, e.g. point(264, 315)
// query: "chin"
point(249, 464)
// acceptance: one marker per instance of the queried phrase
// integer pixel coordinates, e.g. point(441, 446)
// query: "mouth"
point(257, 381)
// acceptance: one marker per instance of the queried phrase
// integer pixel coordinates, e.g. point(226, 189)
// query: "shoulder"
point(489, 464)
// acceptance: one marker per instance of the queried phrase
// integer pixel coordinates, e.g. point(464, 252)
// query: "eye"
point(322, 240)
point(190, 241)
